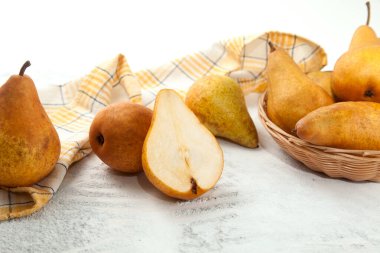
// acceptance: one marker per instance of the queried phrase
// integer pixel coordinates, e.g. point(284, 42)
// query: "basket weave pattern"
point(355, 165)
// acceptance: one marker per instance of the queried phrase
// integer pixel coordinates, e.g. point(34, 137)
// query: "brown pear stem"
point(368, 12)
point(272, 48)
point(23, 68)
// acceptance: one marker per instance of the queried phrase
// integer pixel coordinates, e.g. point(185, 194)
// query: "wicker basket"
point(355, 165)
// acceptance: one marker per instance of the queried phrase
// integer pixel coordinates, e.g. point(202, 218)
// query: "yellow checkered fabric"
point(73, 105)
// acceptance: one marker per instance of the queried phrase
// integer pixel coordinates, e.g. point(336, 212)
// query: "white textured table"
point(264, 202)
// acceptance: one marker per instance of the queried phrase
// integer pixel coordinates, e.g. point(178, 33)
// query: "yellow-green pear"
point(29, 143)
point(291, 94)
point(219, 103)
point(346, 125)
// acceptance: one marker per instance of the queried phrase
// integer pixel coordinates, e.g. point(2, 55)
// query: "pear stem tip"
point(368, 12)
point(23, 68)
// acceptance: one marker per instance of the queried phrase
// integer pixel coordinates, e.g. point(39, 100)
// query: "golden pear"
point(29, 143)
point(219, 104)
point(346, 125)
point(291, 94)
point(117, 135)
point(181, 157)
point(356, 75)
point(323, 79)
point(364, 34)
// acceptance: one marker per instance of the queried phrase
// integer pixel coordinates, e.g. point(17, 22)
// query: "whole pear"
point(291, 94)
point(346, 125)
point(323, 79)
point(29, 143)
point(117, 135)
point(355, 76)
point(219, 104)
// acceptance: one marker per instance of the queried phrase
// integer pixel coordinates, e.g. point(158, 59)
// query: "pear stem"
point(272, 48)
point(23, 68)
point(368, 12)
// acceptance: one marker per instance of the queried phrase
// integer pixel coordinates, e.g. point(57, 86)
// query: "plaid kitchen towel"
point(73, 105)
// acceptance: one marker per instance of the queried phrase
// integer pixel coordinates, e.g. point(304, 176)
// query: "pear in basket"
point(291, 94)
point(323, 79)
point(346, 125)
point(364, 35)
point(356, 73)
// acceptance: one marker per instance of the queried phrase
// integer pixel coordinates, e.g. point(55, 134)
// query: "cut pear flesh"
point(181, 157)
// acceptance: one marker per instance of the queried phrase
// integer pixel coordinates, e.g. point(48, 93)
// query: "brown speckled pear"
point(323, 79)
point(346, 125)
point(364, 34)
point(219, 103)
point(291, 94)
point(181, 157)
point(117, 135)
point(29, 143)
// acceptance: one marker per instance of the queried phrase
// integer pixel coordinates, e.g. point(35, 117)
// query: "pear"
point(364, 34)
point(117, 135)
point(29, 143)
point(181, 157)
point(323, 79)
point(219, 104)
point(356, 75)
point(291, 94)
point(346, 125)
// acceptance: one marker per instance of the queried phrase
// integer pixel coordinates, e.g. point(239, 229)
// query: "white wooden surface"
point(265, 200)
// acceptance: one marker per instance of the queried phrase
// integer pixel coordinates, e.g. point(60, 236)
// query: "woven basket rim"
point(348, 153)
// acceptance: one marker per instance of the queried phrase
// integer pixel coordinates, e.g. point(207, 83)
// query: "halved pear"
point(181, 157)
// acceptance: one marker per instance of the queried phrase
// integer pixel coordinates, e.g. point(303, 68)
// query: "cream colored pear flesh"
point(181, 157)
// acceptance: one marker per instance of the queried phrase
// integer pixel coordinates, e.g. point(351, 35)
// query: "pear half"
point(181, 157)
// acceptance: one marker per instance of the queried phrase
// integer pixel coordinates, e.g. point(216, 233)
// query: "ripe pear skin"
point(291, 94)
point(117, 135)
point(364, 34)
point(346, 125)
point(219, 104)
point(29, 143)
point(356, 75)
point(323, 79)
